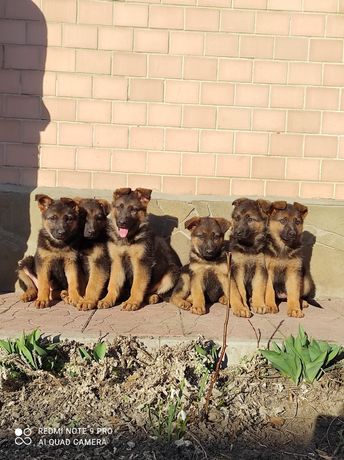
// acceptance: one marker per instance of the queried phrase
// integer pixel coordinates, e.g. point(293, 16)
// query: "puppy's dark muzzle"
point(242, 235)
point(60, 234)
point(289, 236)
point(90, 234)
point(209, 254)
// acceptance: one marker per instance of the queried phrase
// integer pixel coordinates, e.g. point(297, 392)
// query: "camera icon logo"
point(23, 436)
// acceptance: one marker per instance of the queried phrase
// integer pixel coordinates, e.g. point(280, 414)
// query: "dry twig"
point(216, 373)
point(257, 334)
point(273, 334)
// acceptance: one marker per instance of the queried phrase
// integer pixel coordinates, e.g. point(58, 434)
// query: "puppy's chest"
point(247, 260)
point(50, 252)
point(131, 251)
point(208, 270)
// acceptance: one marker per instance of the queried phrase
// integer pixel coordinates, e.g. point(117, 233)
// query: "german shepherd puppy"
point(147, 262)
point(93, 253)
point(56, 259)
point(205, 278)
point(247, 244)
point(284, 257)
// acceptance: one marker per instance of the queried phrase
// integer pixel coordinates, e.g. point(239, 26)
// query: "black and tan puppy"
point(93, 254)
point(284, 257)
point(206, 276)
point(56, 259)
point(247, 244)
point(140, 259)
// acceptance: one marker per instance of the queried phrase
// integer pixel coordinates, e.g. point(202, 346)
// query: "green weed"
point(96, 354)
point(300, 358)
point(168, 419)
point(33, 350)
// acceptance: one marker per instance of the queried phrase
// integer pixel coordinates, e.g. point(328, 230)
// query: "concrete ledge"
point(324, 229)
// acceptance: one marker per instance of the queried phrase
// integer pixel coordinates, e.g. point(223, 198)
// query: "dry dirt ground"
point(148, 405)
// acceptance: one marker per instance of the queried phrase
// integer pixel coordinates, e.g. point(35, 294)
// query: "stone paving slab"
point(166, 324)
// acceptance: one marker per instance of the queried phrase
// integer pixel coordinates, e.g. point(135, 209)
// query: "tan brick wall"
point(240, 97)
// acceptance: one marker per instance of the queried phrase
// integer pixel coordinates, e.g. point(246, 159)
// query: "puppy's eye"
point(250, 219)
point(52, 218)
point(297, 221)
point(68, 218)
point(119, 206)
point(200, 236)
point(283, 221)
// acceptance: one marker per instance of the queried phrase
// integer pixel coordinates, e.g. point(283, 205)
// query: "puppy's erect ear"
point(279, 205)
point(120, 192)
point(238, 201)
point(301, 208)
point(70, 202)
point(78, 199)
point(264, 206)
point(44, 201)
point(191, 223)
point(105, 205)
point(223, 223)
point(144, 195)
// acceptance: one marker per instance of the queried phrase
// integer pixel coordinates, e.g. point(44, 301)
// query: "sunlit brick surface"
point(215, 97)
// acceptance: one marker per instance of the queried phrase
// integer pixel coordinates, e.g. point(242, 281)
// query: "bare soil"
point(123, 402)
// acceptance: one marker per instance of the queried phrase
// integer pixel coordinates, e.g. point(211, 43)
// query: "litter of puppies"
point(95, 254)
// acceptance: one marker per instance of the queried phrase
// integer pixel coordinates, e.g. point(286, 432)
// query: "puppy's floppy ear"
point(303, 210)
point(238, 201)
point(120, 192)
point(223, 223)
point(144, 195)
point(279, 205)
point(44, 201)
point(264, 206)
point(191, 223)
point(70, 202)
point(105, 205)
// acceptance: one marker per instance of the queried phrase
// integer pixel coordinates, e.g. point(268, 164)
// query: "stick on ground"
point(216, 372)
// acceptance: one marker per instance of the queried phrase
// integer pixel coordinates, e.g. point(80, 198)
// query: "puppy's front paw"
point(242, 311)
point(130, 305)
point(271, 308)
point(86, 304)
point(42, 303)
point(106, 303)
point(198, 309)
point(295, 313)
point(260, 309)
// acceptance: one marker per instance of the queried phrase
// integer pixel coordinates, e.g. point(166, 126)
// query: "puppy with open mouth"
point(141, 260)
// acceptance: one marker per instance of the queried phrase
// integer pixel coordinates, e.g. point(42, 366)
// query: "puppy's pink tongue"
point(123, 232)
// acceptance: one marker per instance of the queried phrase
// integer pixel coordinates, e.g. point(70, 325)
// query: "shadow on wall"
point(23, 38)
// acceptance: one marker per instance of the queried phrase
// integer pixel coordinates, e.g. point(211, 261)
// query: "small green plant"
point(97, 354)
point(301, 359)
point(168, 419)
point(207, 355)
point(33, 350)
